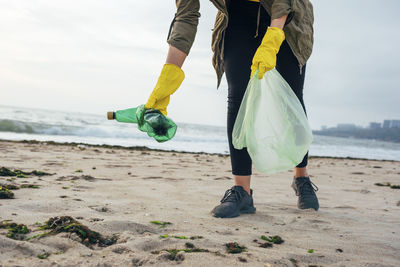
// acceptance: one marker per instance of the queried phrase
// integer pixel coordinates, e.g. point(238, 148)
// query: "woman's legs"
point(288, 67)
point(240, 46)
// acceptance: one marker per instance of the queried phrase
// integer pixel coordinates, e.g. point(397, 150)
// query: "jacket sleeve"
point(281, 8)
point(184, 25)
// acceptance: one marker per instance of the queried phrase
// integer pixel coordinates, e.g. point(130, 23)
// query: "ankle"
point(245, 188)
point(300, 172)
point(243, 181)
point(300, 176)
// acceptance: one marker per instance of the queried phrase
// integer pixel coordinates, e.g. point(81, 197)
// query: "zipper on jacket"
point(301, 69)
point(258, 19)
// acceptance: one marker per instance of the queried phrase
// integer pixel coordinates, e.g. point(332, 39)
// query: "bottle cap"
point(111, 115)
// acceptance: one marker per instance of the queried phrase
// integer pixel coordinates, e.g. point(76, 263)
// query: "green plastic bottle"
point(152, 121)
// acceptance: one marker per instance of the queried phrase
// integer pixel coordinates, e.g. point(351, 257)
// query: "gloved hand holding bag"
point(265, 57)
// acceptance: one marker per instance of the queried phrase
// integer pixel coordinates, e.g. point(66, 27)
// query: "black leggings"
point(240, 46)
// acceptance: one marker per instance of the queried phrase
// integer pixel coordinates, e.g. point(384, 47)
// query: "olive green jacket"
point(298, 29)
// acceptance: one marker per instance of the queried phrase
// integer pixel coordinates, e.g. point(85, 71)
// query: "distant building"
point(395, 124)
point(391, 124)
point(323, 127)
point(346, 126)
point(386, 124)
point(374, 125)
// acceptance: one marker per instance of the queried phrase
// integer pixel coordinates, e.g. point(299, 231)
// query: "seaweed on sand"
point(270, 241)
point(276, 239)
point(15, 231)
point(5, 193)
point(30, 186)
point(70, 225)
point(393, 186)
point(6, 172)
point(21, 174)
point(173, 252)
point(43, 255)
point(189, 245)
point(9, 186)
point(234, 247)
point(181, 236)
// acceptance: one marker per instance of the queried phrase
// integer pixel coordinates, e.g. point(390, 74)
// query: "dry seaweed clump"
point(5, 193)
point(276, 239)
point(70, 225)
point(10, 186)
point(234, 247)
point(21, 174)
point(173, 252)
point(30, 186)
point(393, 186)
point(15, 231)
point(181, 236)
point(174, 255)
point(43, 255)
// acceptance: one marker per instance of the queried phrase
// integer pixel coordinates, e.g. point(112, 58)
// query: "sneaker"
point(235, 202)
point(305, 189)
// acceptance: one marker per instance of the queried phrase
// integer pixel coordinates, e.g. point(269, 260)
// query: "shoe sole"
point(250, 210)
point(305, 208)
point(246, 211)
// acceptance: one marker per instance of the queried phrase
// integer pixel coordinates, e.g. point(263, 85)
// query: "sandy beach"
point(117, 192)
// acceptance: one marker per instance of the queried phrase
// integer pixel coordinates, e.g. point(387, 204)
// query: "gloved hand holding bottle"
point(151, 117)
point(265, 57)
point(169, 81)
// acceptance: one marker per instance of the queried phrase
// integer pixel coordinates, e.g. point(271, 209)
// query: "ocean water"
point(45, 125)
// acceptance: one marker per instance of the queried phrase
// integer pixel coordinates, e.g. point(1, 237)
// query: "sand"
point(119, 191)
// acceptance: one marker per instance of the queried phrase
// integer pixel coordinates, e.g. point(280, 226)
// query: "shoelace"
point(231, 195)
point(306, 187)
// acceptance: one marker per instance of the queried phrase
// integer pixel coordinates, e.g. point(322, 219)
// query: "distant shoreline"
point(391, 135)
point(145, 148)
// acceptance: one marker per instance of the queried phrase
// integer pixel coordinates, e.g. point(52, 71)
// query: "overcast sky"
point(96, 55)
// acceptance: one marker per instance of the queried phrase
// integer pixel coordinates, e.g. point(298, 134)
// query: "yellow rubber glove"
point(265, 57)
point(169, 81)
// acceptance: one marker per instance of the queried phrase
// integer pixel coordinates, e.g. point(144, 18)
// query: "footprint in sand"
point(122, 226)
point(358, 173)
point(82, 177)
point(318, 221)
point(308, 260)
point(223, 178)
point(172, 179)
point(117, 166)
point(344, 207)
point(365, 191)
point(100, 209)
point(152, 177)
point(52, 163)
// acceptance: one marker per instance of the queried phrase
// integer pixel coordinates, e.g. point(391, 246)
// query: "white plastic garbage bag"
point(272, 124)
